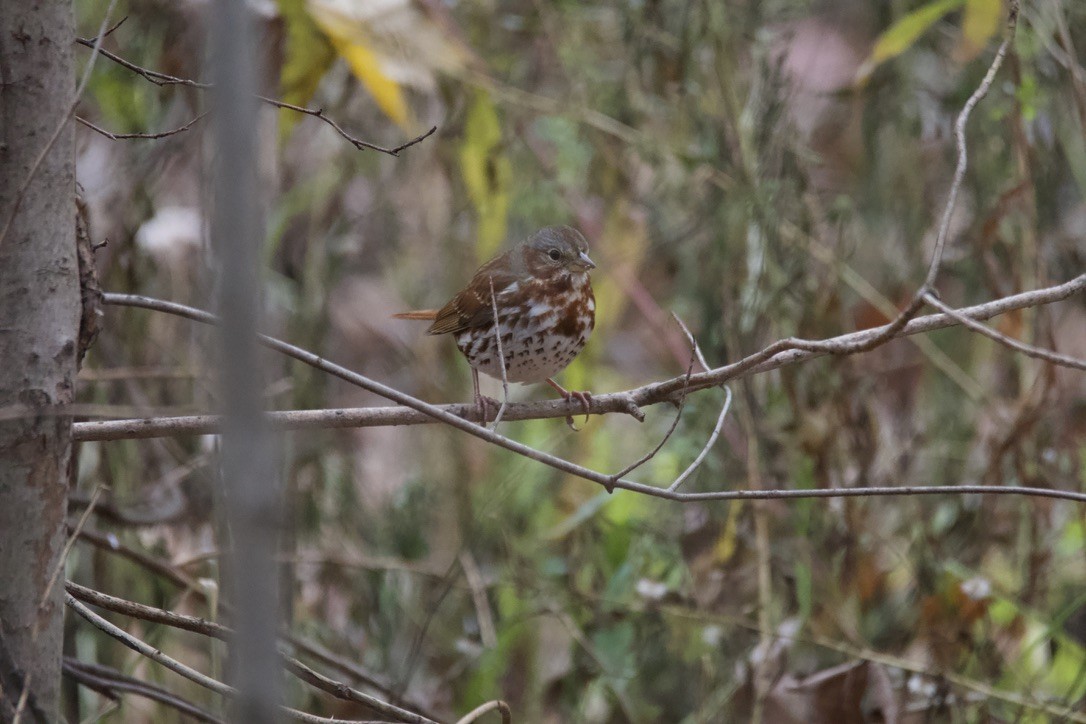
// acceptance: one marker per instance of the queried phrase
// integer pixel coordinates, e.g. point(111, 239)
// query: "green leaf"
point(804, 587)
point(900, 36)
point(613, 646)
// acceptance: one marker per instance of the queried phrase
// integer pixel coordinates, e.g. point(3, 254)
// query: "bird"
point(545, 313)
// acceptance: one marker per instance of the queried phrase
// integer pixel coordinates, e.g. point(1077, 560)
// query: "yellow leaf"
point(728, 541)
point(980, 23)
point(392, 45)
point(486, 172)
point(900, 36)
point(367, 68)
point(354, 45)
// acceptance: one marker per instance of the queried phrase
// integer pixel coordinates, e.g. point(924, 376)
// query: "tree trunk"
point(39, 325)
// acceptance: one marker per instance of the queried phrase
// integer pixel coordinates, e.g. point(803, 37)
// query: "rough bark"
point(39, 325)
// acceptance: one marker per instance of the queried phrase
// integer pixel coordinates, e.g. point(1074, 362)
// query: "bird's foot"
point(584, 397)
point(485, 405)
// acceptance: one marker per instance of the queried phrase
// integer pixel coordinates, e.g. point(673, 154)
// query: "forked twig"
point(678, 412)
point(96, 49)
point(164, 79)
point(914, 306)
point(719, 420)
point(1026, 349)
point(131, 136)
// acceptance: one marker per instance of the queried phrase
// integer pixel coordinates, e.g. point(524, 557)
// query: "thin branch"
point(678, 412)
point(149, 651)
point(891, 330)
point(159, 79)
point(300, 645)
point(24, 697)
point(108, 682)
point(501, 358)
point(1026, 349)
point(128, 136)
point(719, 420)
point(164, 79)
point(963, 154)
point(224, 633)
point(356, 142)
point(487, 632)
point(109, 32)
point(708, 443)
point(177, 667)
point(70, 542)
point(110, 543)
point(775, 355)
point(497, 705)
point(96, 48)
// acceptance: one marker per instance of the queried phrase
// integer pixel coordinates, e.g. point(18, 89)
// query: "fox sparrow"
point(545, 311)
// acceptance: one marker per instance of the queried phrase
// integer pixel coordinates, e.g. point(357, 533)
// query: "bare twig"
point(164, 79)
point(189, 673)
point(501, 358)
point(223, 633)
point(1026, 349)
point(149, 651)
point(356, 142)
point(719, 420)
point(108, 682)
point(297, 643)
point(708, 443)
point(24, 697)
point(128, 136)
point(487, 632)
point(963, 154)
point(678, 412)
point(96, 48)
point(914, 306)
point(70, 542)
point(497, 705)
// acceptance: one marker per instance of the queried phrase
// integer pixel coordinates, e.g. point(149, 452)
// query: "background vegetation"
point(762, 169)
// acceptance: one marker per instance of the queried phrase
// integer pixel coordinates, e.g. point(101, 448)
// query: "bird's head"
point(557, 251)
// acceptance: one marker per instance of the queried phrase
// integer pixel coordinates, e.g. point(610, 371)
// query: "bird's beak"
point(584, 261)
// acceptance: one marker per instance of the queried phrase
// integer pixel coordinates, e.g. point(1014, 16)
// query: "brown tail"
point(427, 315)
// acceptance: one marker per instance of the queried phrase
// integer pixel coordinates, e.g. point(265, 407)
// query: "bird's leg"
point(482, 401)
point(585, 399)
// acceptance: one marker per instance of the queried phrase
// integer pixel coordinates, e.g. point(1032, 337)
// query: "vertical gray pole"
point(249, 473)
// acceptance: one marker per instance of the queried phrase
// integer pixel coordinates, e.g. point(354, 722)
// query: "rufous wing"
point(473, 306)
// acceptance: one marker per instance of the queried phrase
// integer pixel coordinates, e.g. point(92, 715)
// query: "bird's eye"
point(554, 254)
